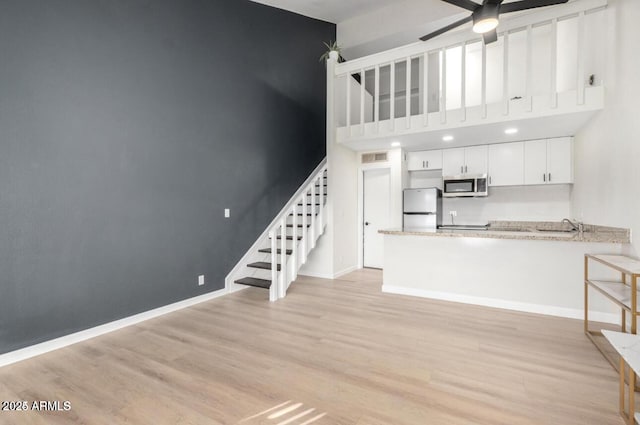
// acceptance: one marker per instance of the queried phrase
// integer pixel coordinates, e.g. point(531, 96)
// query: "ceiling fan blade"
point(528, 4)
point(490, 37)
point(445, 29)
point(465, 4)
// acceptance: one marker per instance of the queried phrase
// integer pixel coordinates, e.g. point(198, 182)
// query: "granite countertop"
point(529, 230)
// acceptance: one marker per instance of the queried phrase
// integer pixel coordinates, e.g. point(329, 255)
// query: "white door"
point(376, 215)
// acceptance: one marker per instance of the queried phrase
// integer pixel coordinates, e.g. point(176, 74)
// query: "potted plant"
point(333, 51)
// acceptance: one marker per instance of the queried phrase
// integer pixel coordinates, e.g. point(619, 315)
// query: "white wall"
point(520, 203)
point(607, 150)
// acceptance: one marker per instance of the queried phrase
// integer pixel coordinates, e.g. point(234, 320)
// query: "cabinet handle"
point(549, 176)
point(544, 177)
point(465, 169)
point(489, 179)
point(461, 169)
point(422, 164)
point(427, 164)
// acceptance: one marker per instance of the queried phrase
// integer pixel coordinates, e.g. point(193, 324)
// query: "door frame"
point(361, 170)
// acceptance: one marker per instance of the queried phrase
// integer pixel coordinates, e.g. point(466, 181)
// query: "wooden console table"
point(623, 292)
point(628, 346)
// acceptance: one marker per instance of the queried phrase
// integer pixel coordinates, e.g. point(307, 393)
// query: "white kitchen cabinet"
point(506, 164)
point(461, 161)
point(560, 160)
point(424, 160)
point(548, 161)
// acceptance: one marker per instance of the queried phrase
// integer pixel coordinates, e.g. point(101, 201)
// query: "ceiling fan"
point(485, 15)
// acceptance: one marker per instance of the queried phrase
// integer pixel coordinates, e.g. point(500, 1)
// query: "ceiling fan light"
point(485, 25)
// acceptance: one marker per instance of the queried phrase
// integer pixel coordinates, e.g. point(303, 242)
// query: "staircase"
point(273, 261)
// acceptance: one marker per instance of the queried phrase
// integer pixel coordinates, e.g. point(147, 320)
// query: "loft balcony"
point(545, 74)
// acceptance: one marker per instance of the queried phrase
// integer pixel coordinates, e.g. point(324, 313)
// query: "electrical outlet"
point(227, 213)
point(201, 280)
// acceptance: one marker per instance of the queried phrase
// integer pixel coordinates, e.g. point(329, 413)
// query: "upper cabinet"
point(548, 161)
point(424, 160)
point(506, 164)
point(461, 161)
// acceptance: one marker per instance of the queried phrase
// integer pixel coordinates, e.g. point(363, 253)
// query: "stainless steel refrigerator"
point(422, 208)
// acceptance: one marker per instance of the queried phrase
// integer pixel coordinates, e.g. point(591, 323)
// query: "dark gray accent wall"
point(126, 128)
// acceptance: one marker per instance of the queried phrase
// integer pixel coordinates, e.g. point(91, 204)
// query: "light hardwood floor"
point(342, 348)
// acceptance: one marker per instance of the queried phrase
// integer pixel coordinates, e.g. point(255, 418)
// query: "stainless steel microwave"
point(465, 186)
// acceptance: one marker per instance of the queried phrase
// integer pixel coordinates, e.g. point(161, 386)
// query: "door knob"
point(366, 223)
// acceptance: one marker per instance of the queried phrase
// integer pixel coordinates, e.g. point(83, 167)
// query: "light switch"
point(227, 213)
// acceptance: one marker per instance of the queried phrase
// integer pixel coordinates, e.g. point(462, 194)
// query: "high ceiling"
point(330, 10)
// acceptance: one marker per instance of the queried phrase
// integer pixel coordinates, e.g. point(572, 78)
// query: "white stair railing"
point(362, 118)
point(281, 277)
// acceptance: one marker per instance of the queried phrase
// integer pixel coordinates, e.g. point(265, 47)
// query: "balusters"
point(553, 101)
point(305, 232)
point(505, 75)
point(392, 96)
point(312, 229)
point(580, 83)
point(443, 86)
point(529, 70)
point(294, 248)
point(463, 82)
point(425, 88)
point(348, 80)
point(362, 101)
point(483, 82)
point(408, 94)
point(376, 102)
point(283, 258)
point(321, 206)
point(273, 290)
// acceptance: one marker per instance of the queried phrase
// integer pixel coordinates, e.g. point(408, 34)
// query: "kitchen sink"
point(557, 230)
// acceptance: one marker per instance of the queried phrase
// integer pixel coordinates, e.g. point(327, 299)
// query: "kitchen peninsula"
point(526, 266)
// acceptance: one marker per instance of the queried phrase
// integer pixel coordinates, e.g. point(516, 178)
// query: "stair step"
point(299, 225)
point(254, 281)
point(289, 238)
point(279, 251)
point(262, 265)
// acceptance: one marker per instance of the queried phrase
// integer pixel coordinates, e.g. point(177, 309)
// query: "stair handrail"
point(260, 240)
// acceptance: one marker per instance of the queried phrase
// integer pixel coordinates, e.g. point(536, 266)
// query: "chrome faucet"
point(579, 226)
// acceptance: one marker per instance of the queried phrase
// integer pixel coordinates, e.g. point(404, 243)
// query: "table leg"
point(632, 392)
point(621, 386)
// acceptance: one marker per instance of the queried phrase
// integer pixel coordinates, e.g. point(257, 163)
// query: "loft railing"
point(538, 57)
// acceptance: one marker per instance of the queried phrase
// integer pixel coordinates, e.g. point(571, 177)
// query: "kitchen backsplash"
point(521, 203)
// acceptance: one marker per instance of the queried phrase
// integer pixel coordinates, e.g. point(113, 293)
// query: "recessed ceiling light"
point(395, 144)
point(511, 131)
point(447, 138)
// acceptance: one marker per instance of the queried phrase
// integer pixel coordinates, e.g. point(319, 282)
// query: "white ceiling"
point(329, 10)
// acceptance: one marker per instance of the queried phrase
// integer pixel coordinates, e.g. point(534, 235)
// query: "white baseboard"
point(547, 310)
point(345, 271)
point(318, 275)
point(64, 341)
point(328, 275)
